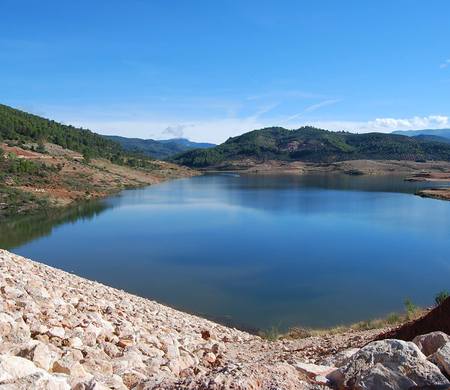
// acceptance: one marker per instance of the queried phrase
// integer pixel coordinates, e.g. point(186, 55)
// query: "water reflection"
point(259, 250)
point(17, 231)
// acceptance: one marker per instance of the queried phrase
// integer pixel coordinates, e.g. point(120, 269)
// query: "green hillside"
point(23, 127)
point(315, 145)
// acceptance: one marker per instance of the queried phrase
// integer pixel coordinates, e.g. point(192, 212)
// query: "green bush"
point(441, 297)
point(40, 146)
point(271, 334)
point(410, 308)
point(393, 318)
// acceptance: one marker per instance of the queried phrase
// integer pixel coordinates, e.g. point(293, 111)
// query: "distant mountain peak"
point(160, 149)
point(445, 133)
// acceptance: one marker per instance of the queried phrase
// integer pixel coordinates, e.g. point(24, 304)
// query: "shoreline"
point(60, 177)
point(432, 172)
point(100, 179)
point(367, 167)
point(62, 331)
point(91, 331)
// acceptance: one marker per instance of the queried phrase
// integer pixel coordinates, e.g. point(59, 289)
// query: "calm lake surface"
point(256, 251)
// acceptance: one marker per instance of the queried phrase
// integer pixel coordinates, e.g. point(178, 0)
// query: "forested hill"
point(160, 149)
point(315, 145)
point(23, 127)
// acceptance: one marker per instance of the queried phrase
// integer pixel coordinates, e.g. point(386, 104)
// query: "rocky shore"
point(59, 331)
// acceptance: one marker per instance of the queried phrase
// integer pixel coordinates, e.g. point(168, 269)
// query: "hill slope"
point(159, 149)
point(445, 133)
point(435, 138)
point(314, 145)
point(23, 127)
point(45, 164)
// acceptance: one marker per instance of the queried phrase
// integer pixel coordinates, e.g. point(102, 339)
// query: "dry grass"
point(392, 320)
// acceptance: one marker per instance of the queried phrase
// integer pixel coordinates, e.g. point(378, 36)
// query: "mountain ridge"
point(159, 149)
point(445, 133)
point(310, 144)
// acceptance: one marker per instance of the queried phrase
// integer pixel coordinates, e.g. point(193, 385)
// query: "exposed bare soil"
point(366, 167)
point(432, 171)
point(73, 179)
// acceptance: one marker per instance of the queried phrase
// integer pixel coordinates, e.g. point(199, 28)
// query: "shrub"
point(393, 318)
point(410, 308)
point(271, 334)
point(41, 146)
point(441, 297)
point(87, 156)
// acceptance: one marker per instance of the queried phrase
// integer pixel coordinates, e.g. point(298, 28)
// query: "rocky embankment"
point(59, 331)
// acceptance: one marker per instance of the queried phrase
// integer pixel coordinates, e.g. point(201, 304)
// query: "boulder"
point(429, 343)
point(15, 367)
point(90, 384)
point(40, 354)
point(75, 342)
point(442, 358)
point(339, 359)
point(57, 331)
point(17, 373)
point(66, 363)
point(317, 373)
point(388, 364)
point(6, 324)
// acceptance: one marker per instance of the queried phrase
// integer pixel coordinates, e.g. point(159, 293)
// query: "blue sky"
point(208, 69)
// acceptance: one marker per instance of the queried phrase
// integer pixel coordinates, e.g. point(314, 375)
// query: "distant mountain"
point(435, 138)
point(314, 145)
point(160, 149)
point(445, 133)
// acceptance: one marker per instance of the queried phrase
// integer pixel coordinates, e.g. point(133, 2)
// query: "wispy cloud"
point(287, 94)
point(325, 103)
point(263, 110)
point(445, 64)
point(311, 108)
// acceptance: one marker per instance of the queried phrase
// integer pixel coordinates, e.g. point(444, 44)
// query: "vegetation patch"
point(310, 144)
point(411, 313)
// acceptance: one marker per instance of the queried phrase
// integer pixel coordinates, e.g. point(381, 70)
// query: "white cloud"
point(386, 125)
point(445, 64)
point(417, 122)
point(176, 131)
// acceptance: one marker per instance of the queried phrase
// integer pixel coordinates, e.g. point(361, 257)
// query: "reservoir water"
point(255, 250)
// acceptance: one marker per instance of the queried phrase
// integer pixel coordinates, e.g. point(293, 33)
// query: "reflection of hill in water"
point(333, 181)
point(18, 231)
point(305, 193)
